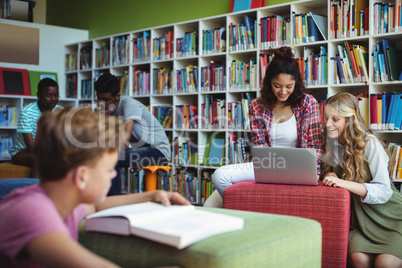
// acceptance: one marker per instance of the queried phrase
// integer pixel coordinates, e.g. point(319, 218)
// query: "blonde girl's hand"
point(332, 180)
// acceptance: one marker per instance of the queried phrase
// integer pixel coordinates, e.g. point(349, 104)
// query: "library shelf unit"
point(159, 53)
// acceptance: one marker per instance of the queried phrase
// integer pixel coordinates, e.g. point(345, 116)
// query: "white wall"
point(51, 48)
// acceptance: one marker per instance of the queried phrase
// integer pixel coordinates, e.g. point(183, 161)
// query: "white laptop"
point(285, 165)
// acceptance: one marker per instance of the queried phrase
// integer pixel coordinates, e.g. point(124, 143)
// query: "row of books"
point(187, 79)
point(185, 151)
point(186, 116)
point(71, 86)
point(186, 183)
point(214, 40)
point(349, 18)
point(164, 115)
point(6, 143)
point(387, 61)
point(86, 88)
point(242, 35)
point(265, 59)
point(187, 46)
point(140, 82)
point(395, 163)
point(313, 66)
point(238, 113)
point(387, 17)
point(141, 47)
point(243, 75)
point(162, 80)
point(213, 112)
point(123, 82)
point(102, 56)
point(163, 47)
point(386, 111)
point(134, 181)
point(8, 116)
point(309, 27)
point(120, 50)
point(213, 77)
point(70, 62)
point(85, 58)
point(350, 64)
point(275, 32)
point(207, 186)
point(238, 150)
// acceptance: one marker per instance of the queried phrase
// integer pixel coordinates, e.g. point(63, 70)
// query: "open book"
point(177, 226)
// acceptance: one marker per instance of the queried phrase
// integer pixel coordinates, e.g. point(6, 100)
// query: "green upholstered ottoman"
point(267, 240)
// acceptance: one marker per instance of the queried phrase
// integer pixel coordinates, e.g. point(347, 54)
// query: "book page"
point(142, 213)
point(184, 229)
point(189, 222)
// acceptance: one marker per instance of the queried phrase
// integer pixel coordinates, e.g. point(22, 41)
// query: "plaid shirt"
point(308, 124)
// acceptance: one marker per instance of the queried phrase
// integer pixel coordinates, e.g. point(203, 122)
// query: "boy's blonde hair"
point(68, 138)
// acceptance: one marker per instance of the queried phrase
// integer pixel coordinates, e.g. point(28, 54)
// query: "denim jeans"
point(136, 158)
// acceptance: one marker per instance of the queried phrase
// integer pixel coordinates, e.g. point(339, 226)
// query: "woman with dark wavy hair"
point(354, 159)
point(283, 116)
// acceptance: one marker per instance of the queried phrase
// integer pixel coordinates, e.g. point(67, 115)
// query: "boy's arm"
point(28, 139)
point(59, 250)
point(158, 196)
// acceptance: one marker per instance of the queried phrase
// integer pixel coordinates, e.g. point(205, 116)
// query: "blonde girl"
point(354, 159)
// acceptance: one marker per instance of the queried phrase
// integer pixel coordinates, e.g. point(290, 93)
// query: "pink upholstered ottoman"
point(329, 206)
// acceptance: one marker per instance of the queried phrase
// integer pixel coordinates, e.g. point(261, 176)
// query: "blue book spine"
point(398, 119)
point(389, 109)
point(248, 21)
point(384, 110)
point(394, 108)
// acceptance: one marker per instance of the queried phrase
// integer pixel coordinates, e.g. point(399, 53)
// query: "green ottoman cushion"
point(267, 240)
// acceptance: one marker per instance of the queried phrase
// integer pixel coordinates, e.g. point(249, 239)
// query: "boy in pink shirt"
point(76, 151)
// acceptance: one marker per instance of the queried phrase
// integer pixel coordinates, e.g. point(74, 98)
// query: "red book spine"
point(373, 111)
point(366, 19)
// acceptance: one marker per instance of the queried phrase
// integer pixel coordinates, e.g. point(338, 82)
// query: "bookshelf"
point(219, 65)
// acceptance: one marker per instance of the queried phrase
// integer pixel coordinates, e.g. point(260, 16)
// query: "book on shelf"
point(393, 56)
point(359, 5)
point(241, 5)
point(364, 109)
point(373, 111)
point(317, 26)
point(379, 111)
point(398, 118)
point(216, 151)
point(176, 226)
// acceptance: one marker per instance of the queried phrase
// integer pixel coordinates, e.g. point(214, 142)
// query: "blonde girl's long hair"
point(355, 132)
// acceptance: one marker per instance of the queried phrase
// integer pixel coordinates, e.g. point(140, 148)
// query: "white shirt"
point(284, 134)
point(379, 189)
